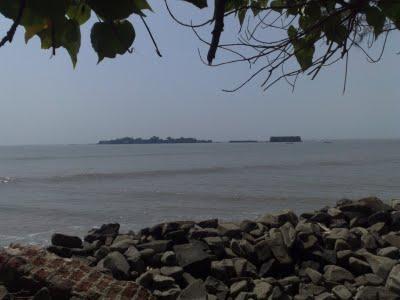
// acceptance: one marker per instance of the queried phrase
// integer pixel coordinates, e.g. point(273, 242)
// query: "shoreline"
point(349, 251)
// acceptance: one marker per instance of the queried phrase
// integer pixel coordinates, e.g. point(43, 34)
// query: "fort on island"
point(285, 139)
point(152, 140)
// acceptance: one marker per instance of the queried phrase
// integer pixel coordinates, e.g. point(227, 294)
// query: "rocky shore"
point(350, 251)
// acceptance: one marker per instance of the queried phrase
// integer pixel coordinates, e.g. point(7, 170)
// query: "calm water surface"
point(73, 188)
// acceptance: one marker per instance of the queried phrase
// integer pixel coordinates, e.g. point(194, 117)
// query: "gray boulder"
point(393, 280)
point(342, 292)
point(193, 259)
point(194, 291)
point(380, 265)
point(117, 264)
point(68, 241)
point(335, 273)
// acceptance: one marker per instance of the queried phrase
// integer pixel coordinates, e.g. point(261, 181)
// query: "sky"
point(44, 100)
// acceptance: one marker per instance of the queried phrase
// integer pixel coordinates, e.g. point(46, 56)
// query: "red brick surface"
point(57, 273)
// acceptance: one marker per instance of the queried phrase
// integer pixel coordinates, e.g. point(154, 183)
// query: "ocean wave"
point(5, 180)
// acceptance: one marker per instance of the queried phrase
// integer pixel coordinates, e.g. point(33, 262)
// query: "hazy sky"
point(45, 101)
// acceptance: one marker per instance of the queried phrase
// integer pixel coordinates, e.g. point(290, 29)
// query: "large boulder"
point(367, 206)
point(374, 293)
point(194, 291)
point(380, 265)
point(280, 218)
point(117, 264)
point(393, 280)
point(337, 274)
point(193, 259)
point(68, 241)
point(278, 247)
point(158, 246)
point(106, 230)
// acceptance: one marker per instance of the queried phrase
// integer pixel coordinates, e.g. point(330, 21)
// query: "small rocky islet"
point(350, 251)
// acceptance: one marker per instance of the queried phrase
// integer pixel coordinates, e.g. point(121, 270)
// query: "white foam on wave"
point(5, 179)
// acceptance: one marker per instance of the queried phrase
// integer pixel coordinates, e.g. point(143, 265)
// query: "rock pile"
point(350, 251)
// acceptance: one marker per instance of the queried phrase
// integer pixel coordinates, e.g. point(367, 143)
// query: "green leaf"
point(109, 39)
point(242, 16)
point(71, 40)
point(304, 54)
point(375, 19)
point(79, 12)
point(112, 10)
point(292, 33)
point(277, 5)
point(198, 3)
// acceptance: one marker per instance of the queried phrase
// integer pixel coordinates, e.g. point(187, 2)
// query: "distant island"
point(243, 141)
point(152, 140)
point(285, 139)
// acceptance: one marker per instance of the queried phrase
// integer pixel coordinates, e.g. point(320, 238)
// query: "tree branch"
point(218, 28)
point(10, 34)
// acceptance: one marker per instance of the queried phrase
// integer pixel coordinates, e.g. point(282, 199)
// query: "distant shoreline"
point(152, 140)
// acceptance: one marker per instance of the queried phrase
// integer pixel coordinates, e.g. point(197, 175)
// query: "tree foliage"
point(272, 33)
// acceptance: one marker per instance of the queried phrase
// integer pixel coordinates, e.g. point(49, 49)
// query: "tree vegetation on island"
point(278, 39)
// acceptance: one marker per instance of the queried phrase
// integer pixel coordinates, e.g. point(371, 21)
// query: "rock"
point(169, 294)
point(239, 286)
point(60, 251)
point(374, 293)
point(193, 259)
point(262, 289)
point(392, 239)
point(216, 244)
point(393, 280)
point(174, 272)
point(337, 274)
point(42, 294)
point(216, 287)
point(266, 268)
point(132, 253)
point(147, 254)
point(188, 279)
point(137, 264)
point(4, 293)
point(157, 246)
point(368, 241)
point(223, 269)
point(230, 230)
point(325, 296)
point(368, 206)
point(169, 258)
point(122, 245)
point(244, 268)
point(368, 279)
point(391, 252)
point(67, 241)
point(341, 245)
point(248, 226)
point(146, 279)
point(59, 287)
point(211, 223)
point(280, 218)
point(288, 234)
point(161, 282)
point(278, 247)
point(380, 265)
point(194, 291)
point(106, 230)
point(117, 264)
point(262, 251)
point(314, 275)
point(342, 292)
point(358, 267)
point(311, 289)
